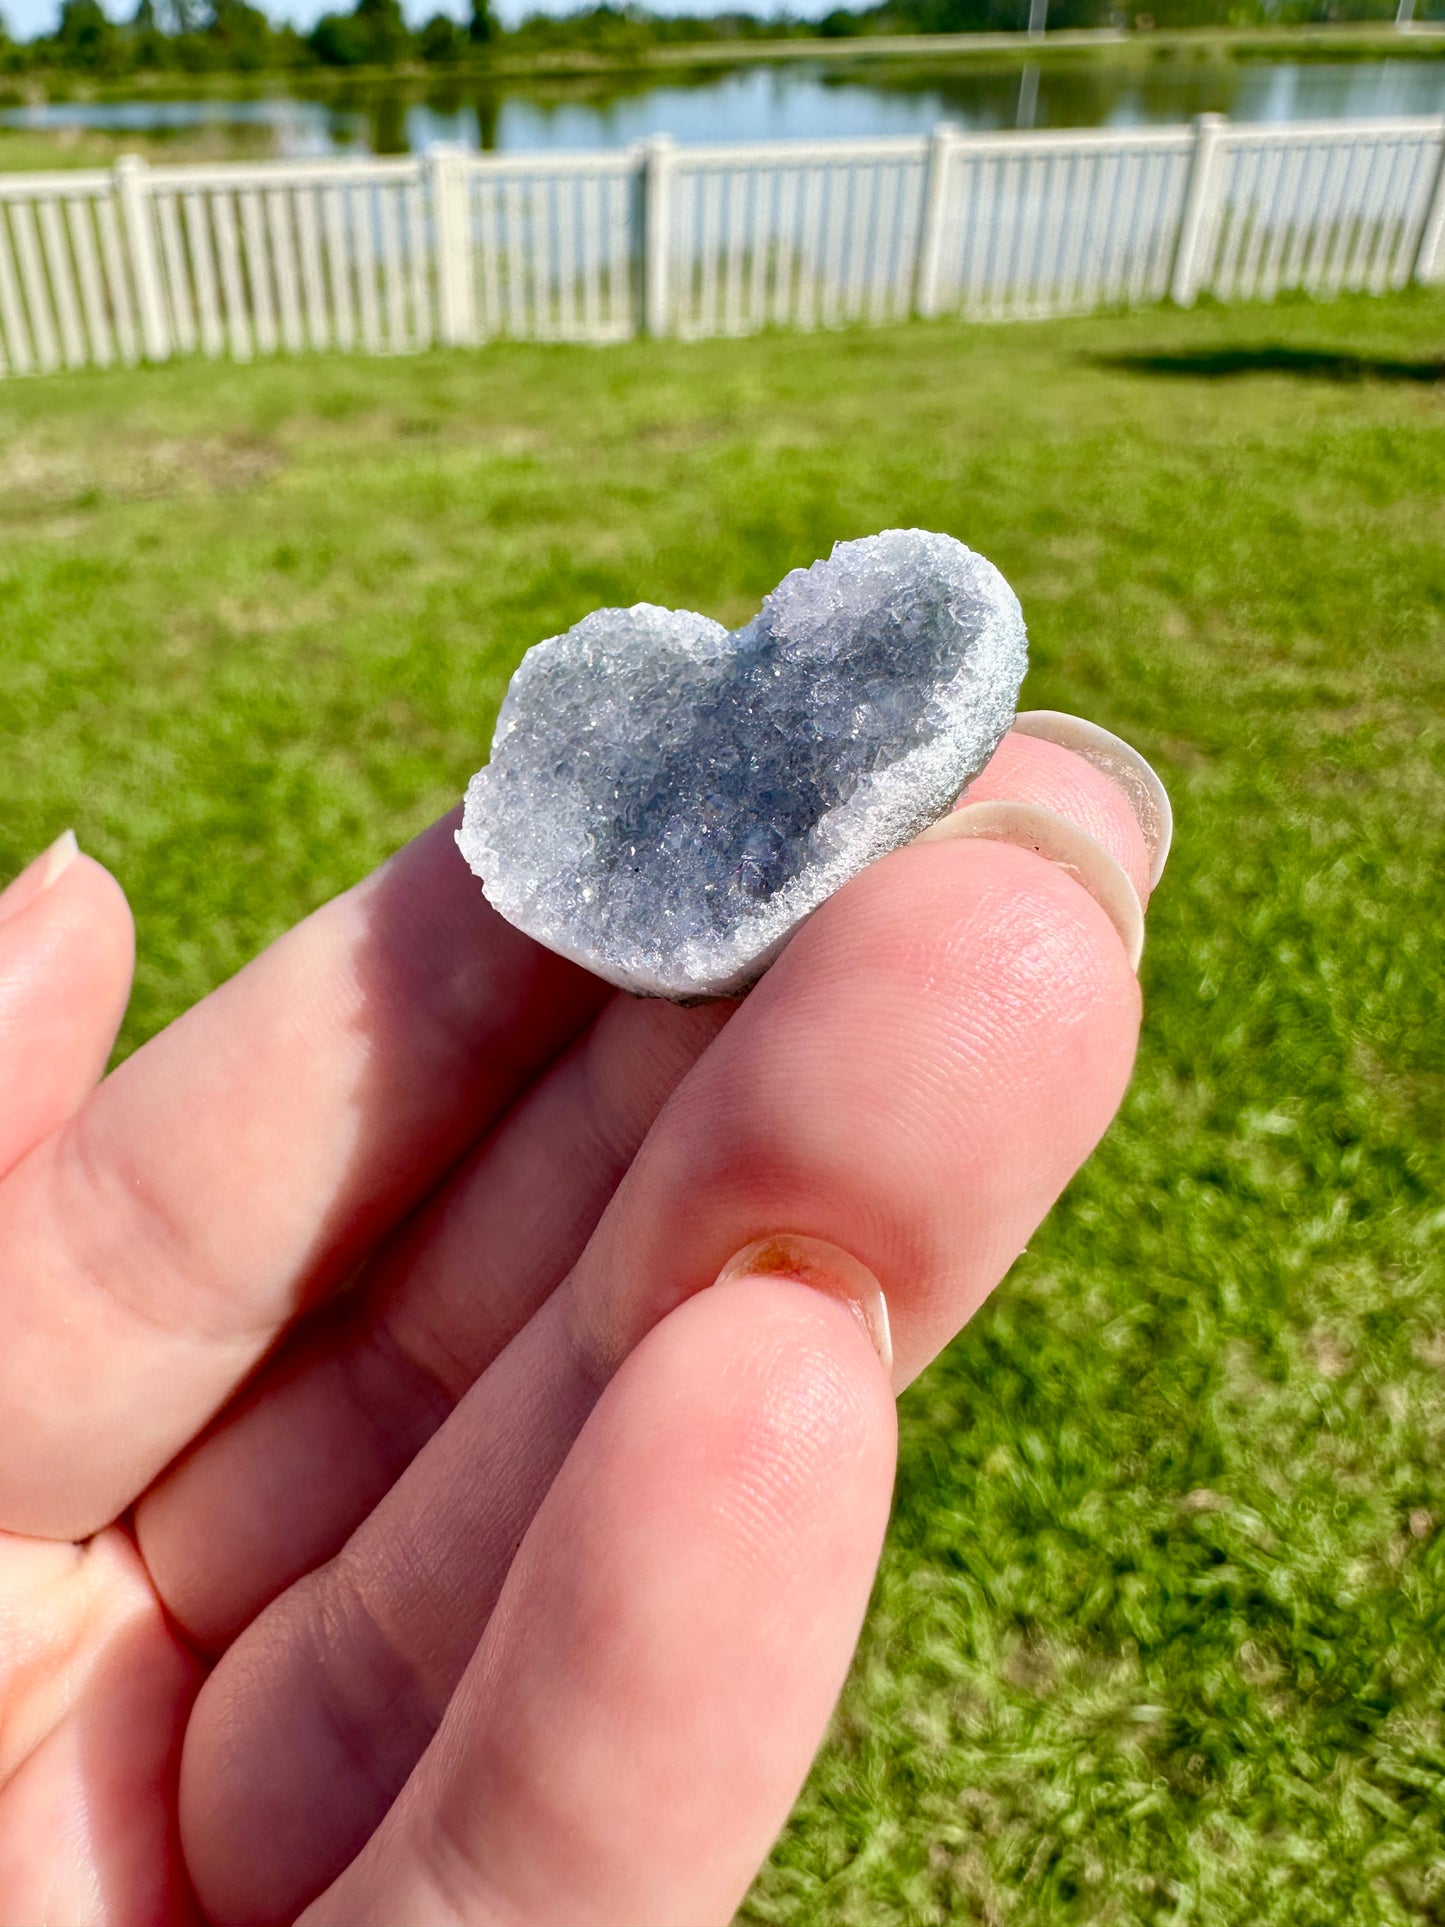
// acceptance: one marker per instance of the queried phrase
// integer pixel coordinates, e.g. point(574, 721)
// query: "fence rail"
point(388, 256)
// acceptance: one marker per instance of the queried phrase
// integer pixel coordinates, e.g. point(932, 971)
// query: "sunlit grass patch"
point(1159, 1631)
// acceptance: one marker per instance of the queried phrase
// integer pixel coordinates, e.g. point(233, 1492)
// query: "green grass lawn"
point(39, 149)
point(1160, 1632)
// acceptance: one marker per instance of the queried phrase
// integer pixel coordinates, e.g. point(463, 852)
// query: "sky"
point(27, 17)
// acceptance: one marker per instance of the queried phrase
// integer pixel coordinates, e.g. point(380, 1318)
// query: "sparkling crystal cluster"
point(667, 801)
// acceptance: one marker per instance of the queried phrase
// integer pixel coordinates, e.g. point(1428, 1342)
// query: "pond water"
point(799, 100)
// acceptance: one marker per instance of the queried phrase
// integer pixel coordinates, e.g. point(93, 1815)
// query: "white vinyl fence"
point(392, 255)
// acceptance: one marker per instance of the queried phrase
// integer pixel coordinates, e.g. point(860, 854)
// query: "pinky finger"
point(67, 948)
point(670, 1642)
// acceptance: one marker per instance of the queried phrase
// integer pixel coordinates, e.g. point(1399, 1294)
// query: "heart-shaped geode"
point(666, 801)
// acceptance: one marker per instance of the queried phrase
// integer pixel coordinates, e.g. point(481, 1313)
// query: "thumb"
point(646, 1701)
point(67, 948)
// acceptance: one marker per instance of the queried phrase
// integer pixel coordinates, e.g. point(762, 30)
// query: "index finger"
point(237, 1168)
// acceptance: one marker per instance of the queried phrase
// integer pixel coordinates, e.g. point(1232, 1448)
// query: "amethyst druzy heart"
point(666, 801)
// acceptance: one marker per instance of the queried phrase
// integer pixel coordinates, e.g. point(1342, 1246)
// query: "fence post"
point(136, 214)
point(451, 220)
point(1201, 208)
point(659, 157)
point(927, 286)
point(1429, 263)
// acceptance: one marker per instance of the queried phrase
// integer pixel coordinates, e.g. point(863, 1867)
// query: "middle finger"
point(306, 1453)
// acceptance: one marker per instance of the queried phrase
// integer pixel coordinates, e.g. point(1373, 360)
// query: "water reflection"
point(817, 103)
point(802, 101)
point(1027, 112)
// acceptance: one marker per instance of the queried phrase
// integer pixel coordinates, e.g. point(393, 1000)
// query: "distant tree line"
point(233, 36)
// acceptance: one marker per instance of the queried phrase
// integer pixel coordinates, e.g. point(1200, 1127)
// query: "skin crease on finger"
point(990, 1016)
point(276, 1487)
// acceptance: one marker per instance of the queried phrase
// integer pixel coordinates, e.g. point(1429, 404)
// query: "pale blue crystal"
point(666, 802)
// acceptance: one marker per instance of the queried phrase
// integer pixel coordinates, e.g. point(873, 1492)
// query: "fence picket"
point(342, 327)
point(16, 352)
point(1291, 172)
point(809, 307)
point(32, 281)
point(62, 284)
point(1135, 272)
point(1324, 235)
point(709, 228)
point(753, 266)
point(414, 207)
point(176, 281)
point(112, 254)
point(283, 257)
point(784, 249)
point(489, 223)
point(1429, 258)
point(735, 252)
point(233, 293)
point(897, 254)
point(1104, 171)
point(1081, 227)
point(590, 214)
point(1417, 198)
point(512, 260)
point(258, 271)
point(1163, 168)
point(1389, 245)
point(1359, 252)
point(1051, 287)
point(1374, 232)
point(392, 287)
point(1002, 237)
point(889, 215)
point(1409, 213)
point(203, 268)
point(1233, 226)
point(857, 218)
point(87, 270)
point(310, 248)
point(564, 227)
point(539, 256)
point(360, 216)
point(1266, 191)
point(1311, 180)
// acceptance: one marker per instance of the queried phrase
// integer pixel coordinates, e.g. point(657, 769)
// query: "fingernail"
point(38, 875)
point(1119, 761)
point(813, 1261)
point(1062, 842)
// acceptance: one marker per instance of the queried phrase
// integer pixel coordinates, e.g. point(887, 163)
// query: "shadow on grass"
point(1313, 364)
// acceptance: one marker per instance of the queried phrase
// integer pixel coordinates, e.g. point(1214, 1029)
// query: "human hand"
point(452, 1547)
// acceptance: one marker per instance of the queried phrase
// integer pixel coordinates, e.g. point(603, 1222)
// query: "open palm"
point(400, 1524)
